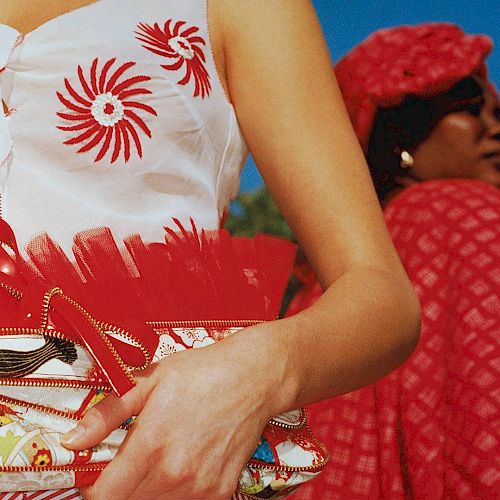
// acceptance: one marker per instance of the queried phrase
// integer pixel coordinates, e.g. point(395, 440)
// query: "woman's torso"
point(116, 117)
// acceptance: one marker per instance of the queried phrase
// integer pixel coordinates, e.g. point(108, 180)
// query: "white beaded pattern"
point(107, 109)
point(180, 45)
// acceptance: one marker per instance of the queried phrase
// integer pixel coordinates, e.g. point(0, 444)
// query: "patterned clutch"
point(58, 359)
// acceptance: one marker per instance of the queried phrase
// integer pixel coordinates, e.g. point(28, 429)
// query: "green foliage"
point(255, 212)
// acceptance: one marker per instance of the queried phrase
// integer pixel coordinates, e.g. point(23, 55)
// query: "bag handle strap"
point(95, 340)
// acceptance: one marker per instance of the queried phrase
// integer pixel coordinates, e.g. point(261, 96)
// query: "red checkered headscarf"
point(393, 63)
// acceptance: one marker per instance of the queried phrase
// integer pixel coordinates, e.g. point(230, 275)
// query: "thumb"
point(102, 419)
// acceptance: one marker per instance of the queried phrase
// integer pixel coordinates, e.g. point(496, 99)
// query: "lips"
point(492, 155)
point(494, 158)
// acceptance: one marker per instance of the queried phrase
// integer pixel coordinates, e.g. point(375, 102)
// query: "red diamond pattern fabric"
point(430, 429)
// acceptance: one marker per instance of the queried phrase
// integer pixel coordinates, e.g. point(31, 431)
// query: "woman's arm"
point(202, 411)
point(282, 84)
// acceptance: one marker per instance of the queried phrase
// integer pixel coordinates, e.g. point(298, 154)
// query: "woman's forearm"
point(365, 325)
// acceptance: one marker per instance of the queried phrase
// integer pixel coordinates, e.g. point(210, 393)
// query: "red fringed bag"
point(71, 332)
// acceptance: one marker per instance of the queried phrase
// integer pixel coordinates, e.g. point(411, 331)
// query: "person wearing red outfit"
point(429, 122)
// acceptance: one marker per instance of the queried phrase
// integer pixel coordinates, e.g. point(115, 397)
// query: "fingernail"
point(74, 435)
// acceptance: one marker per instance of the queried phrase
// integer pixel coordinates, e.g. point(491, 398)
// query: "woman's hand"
point(201, 413)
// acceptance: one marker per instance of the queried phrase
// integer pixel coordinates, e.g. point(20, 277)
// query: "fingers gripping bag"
point(72, 330)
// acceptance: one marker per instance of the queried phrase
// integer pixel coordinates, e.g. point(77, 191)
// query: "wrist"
point(264, 350)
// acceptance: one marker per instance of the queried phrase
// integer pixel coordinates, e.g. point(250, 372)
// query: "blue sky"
point(347, 22)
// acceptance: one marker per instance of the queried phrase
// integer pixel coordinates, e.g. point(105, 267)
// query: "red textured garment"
point(429, 430)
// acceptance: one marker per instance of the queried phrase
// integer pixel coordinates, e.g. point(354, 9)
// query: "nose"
point(492, 121)
point(494, 131)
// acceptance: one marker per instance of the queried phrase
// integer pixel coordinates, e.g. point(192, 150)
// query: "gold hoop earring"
point(406, 160)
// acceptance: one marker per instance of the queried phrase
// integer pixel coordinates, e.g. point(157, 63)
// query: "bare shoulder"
point(236, 26)
point(282, 85)
point(241, 13)
point(233, 20)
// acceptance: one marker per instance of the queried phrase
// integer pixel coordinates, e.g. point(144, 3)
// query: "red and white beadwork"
point(103, 113)
point(183, 46)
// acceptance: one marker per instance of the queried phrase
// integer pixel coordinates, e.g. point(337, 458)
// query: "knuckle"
point(154, 457)
point(172, 473)
point(213, 490)
point(217, 493)
point(226, 492)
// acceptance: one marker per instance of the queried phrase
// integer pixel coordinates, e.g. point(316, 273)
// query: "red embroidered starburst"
point(104, 112)
point(183, 46)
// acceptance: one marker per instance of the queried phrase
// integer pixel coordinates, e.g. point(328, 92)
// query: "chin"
point(489, 172)
point(493, 179)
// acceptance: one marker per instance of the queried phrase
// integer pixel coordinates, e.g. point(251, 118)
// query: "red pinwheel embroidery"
point(103, 112)
point(183, 46)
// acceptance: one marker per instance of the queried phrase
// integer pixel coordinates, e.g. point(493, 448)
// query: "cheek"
point(459, 130)
point(452, 149)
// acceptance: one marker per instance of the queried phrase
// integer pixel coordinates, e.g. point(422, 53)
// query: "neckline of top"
point(55, 19)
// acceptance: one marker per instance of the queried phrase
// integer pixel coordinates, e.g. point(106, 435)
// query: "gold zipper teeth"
point(307, 468)
point(58, 383)
point(53, 468)
point(287, 468)
point(120, 331)
point(99, 326)
point(34, 406)
point(49, 332)
point(301, 424)
point(275, 423)
point(13, 291)
point(205, 323)
point(47, 297)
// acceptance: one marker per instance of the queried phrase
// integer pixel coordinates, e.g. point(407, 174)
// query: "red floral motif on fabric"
point(183, 46)
point(82, 457)
point(42, 458)
point(103, 113)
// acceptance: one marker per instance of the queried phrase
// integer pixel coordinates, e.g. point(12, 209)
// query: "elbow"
point(409, 331)
point(414, 323)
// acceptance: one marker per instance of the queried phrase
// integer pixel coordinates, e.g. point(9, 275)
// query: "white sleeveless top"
point(116, 117)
